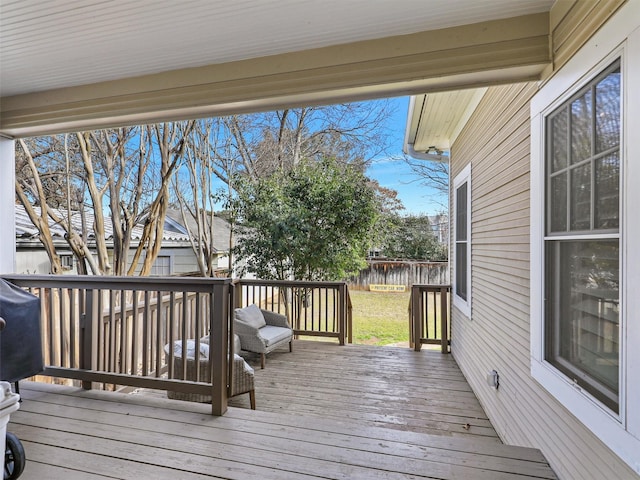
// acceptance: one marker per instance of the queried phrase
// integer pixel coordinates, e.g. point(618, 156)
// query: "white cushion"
point(250, 316)
point(273, 335)
point(191, 349)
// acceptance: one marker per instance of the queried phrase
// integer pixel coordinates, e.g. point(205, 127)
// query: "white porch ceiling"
point(46, 45)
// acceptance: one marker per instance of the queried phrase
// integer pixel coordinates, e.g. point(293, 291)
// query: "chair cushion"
point(236, 342)
point(273, 335)
point(250, 316)
point(191, 349)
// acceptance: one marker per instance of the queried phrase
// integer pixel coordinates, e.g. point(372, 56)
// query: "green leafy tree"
point(413, 239)
point(313, 222)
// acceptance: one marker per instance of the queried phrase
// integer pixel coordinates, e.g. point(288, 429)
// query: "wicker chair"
point(261, 331)
point(242, 381)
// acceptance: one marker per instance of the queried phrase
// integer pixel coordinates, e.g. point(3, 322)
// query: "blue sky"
point(392, 172)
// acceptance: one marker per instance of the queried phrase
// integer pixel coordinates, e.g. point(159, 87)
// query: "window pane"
point(461, 270)
point(581, 197)
point(607, 190)
point(559, 140)
point(581, 128)
point(608, 112)
point(582, 314)
point(558, 207)
point(461, 212)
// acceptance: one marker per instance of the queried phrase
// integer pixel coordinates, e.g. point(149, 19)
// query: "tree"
point(195, 190)
point(171, 140)
point(128, 169)
point(432, 174)
point(350, 133)
point(414, 239)
point(314, 222)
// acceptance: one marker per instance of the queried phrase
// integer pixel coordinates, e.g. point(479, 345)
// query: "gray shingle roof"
point(26, 229)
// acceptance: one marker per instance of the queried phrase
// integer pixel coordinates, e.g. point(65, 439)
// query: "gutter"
point(408, 147)
point(434, 157)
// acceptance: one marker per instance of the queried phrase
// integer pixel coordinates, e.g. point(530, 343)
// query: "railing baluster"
point(122, 349)
point(52, 329)
point(100, 326)
point(172, 326)
point(159, 337)
point(145, 334)
point(185, 310)
point(134, 332)
point(73, 302)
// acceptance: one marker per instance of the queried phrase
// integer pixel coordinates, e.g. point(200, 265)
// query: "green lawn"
point(380, 318)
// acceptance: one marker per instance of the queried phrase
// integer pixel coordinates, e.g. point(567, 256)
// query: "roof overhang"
point(435, 120)
point(116, 62)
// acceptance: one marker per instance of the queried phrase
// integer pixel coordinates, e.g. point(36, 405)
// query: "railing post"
point(416, 317)
point(89, 335)
point(349, 316)
point(219, 340)
point(342, 312)
point(237, 293)
point(444, 313)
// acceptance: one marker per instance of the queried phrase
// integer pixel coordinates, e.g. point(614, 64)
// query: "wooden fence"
point(401, 272)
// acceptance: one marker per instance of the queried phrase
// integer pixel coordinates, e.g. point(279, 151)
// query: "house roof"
point(221, 228)
point(26, 230)
point(68, 65)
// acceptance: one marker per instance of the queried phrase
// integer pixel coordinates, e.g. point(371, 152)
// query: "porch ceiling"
point(71, 64)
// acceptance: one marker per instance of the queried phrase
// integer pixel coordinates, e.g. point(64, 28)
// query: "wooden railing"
point(321, 309)
point(429, 313)
point(113, 330)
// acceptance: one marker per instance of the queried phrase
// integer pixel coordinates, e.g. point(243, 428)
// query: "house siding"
point(572, 23)
point(496, 140)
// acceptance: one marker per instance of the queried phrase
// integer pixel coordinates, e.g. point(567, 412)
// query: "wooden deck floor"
point(302, 429)
point(394, 387)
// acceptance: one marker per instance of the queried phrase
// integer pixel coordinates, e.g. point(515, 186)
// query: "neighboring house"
point(175, 257)
point(544, 261)
point(221, 234)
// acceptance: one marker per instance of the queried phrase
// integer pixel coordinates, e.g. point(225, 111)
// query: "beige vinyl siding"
point(572, 23)
point(496, 140)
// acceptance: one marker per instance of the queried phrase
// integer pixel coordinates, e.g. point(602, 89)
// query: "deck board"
point(69, 433)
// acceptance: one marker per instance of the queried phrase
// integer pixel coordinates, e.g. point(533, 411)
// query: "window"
point(582, 242)
point(162, 266)
point(584, 232)
point(462, 241)
point(66, 261)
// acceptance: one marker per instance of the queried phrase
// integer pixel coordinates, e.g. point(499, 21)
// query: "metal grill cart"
point(20, 357)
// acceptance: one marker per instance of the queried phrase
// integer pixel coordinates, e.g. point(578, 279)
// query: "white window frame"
point(618, 38)
point(464, 176)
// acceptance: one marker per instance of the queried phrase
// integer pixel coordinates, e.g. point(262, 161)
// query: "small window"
point(462, 241)
point(162, 266)
point(66, 261)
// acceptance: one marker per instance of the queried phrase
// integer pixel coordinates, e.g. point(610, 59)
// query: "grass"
point(380, 318)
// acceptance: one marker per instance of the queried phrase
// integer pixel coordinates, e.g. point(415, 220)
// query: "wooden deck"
point(393, 387)
point(348, 413)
